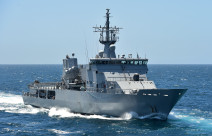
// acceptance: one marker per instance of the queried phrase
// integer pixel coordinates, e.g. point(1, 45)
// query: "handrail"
point(59, 86)
point(47, 86)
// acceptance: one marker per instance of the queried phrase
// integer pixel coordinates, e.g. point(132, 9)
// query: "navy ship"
point(109, 85)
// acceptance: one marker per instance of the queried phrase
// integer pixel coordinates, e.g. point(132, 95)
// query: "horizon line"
point(85, 64)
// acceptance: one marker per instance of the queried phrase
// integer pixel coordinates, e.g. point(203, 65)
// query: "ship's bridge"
point(128, 61)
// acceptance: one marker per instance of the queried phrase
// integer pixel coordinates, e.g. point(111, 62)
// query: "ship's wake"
point(12, 103)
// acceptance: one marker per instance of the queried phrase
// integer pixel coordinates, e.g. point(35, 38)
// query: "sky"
point(165, 32)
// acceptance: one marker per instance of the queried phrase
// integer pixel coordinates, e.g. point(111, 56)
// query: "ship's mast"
point(108, 37)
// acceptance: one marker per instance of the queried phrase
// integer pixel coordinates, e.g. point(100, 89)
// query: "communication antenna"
point(137, 56)
point(86, 49)
point(108, 35)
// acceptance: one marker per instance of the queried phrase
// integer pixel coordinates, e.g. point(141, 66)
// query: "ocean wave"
point(199, 121)
point(12, 103)
point(158, 116)
point(10, 98)
point(130, 115)
point(62, 132)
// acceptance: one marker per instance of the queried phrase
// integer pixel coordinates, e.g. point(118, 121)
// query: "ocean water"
point(191, 116)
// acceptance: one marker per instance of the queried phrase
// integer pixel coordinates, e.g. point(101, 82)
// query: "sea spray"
point(14, 104)
point(198, 121)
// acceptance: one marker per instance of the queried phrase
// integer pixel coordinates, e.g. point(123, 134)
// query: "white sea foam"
point(158, 116)
point(61, 132)
point(66, 113)
point(14, 104)
point(10, 98)
point(200, 121)
point(129, 115)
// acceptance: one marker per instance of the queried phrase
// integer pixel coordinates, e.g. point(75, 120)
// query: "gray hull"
point(144, 103)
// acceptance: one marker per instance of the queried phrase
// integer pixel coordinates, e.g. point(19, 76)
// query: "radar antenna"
point(108, 37)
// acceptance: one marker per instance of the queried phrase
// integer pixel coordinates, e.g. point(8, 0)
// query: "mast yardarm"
point(108, 37)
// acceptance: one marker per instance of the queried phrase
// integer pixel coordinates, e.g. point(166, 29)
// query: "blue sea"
point(192, 115)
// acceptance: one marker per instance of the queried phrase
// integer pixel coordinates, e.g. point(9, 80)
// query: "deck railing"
point(46, 86)
point(59, 86)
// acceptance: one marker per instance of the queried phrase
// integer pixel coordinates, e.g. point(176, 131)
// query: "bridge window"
point(51, 95)
point(98, 62)
point(136, 62)
point(42, 94)
point(144, 62)
point(118, 62)
point(123, 62)
point(111, 62)
point(128, 62)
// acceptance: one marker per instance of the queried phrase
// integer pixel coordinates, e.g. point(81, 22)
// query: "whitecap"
point(129, 115)
point(58, 131)
point(61, 132)
point(200, 121)
point(12, 103)
point(158, 116)
point(10, 98)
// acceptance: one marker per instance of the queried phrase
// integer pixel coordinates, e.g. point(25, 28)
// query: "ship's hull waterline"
point(145, 102)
